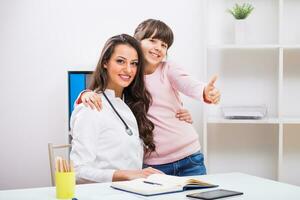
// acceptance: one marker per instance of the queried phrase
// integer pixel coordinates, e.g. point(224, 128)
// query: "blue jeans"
point(189, 166)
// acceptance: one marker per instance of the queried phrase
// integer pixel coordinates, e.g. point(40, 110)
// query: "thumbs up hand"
point(211, 93)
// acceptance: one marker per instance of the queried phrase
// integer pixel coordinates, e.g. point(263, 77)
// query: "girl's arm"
point(211, 93)
point(89, 99)
point(93, 100)
point(186, 84)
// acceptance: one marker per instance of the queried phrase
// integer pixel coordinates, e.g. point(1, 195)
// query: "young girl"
point(177, 144)
point(108, 145)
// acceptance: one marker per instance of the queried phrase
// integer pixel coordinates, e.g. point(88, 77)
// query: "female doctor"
point(109, 145)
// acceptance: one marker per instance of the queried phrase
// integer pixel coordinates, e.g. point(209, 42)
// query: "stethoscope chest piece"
point(128, 131)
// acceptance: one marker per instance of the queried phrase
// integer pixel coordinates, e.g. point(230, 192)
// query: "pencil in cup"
point(64, 179)
point(62, 165)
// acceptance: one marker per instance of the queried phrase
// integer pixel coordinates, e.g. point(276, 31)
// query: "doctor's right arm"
point(85, 128)
point(83, 154)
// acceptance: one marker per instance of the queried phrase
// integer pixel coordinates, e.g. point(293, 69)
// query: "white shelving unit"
point(264, 71)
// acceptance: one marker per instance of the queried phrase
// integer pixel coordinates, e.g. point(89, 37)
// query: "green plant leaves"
point(241, 11)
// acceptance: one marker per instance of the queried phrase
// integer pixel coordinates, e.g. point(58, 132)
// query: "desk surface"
point(254, 188)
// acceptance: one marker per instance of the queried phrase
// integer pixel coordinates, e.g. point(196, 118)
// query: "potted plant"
point(240, 13)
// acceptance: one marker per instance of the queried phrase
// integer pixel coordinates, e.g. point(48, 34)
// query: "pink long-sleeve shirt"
point(174, 139)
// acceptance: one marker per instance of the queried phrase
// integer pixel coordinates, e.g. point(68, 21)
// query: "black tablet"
point(214, 194)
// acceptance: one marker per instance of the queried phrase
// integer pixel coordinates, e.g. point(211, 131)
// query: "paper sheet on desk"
point(122, 196)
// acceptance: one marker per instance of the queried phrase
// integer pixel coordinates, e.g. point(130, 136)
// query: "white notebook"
point(160, 184)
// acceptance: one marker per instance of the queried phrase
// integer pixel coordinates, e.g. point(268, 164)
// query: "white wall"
point(41, 40)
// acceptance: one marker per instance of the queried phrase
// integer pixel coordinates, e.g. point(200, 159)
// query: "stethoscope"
point(127, 129)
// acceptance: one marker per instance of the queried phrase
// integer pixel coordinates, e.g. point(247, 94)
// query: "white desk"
point(254, 188)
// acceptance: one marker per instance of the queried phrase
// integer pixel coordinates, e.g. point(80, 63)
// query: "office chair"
point(51, 149)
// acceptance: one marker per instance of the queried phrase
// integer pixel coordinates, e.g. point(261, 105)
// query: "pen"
point(152, 183)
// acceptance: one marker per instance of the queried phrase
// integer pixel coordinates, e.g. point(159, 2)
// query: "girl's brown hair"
point(156, 29)
point(136, 95)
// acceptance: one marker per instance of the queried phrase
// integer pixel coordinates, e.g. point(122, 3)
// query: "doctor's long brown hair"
point(136, 95)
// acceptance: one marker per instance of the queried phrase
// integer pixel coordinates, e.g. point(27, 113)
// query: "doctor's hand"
point(91, 99)
point(121, 175)
point(211, 93)
point(148, 171)
point(144, 173)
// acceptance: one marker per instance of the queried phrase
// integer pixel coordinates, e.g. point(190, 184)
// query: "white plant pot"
point(240, 31)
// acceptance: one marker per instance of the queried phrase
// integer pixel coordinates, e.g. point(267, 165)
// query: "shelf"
point(290, 29)
point(253, 46)
point(250, 46)
point(296, 46)
point(263, 70)
point(242, 146)
point(290, 156)
point(285, 120)
point(244, 75)
point(262, 23)
point(219, 120)
point(291, 120)
point(291, 83)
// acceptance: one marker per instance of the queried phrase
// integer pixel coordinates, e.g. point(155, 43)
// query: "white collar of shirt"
point(111, 93)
